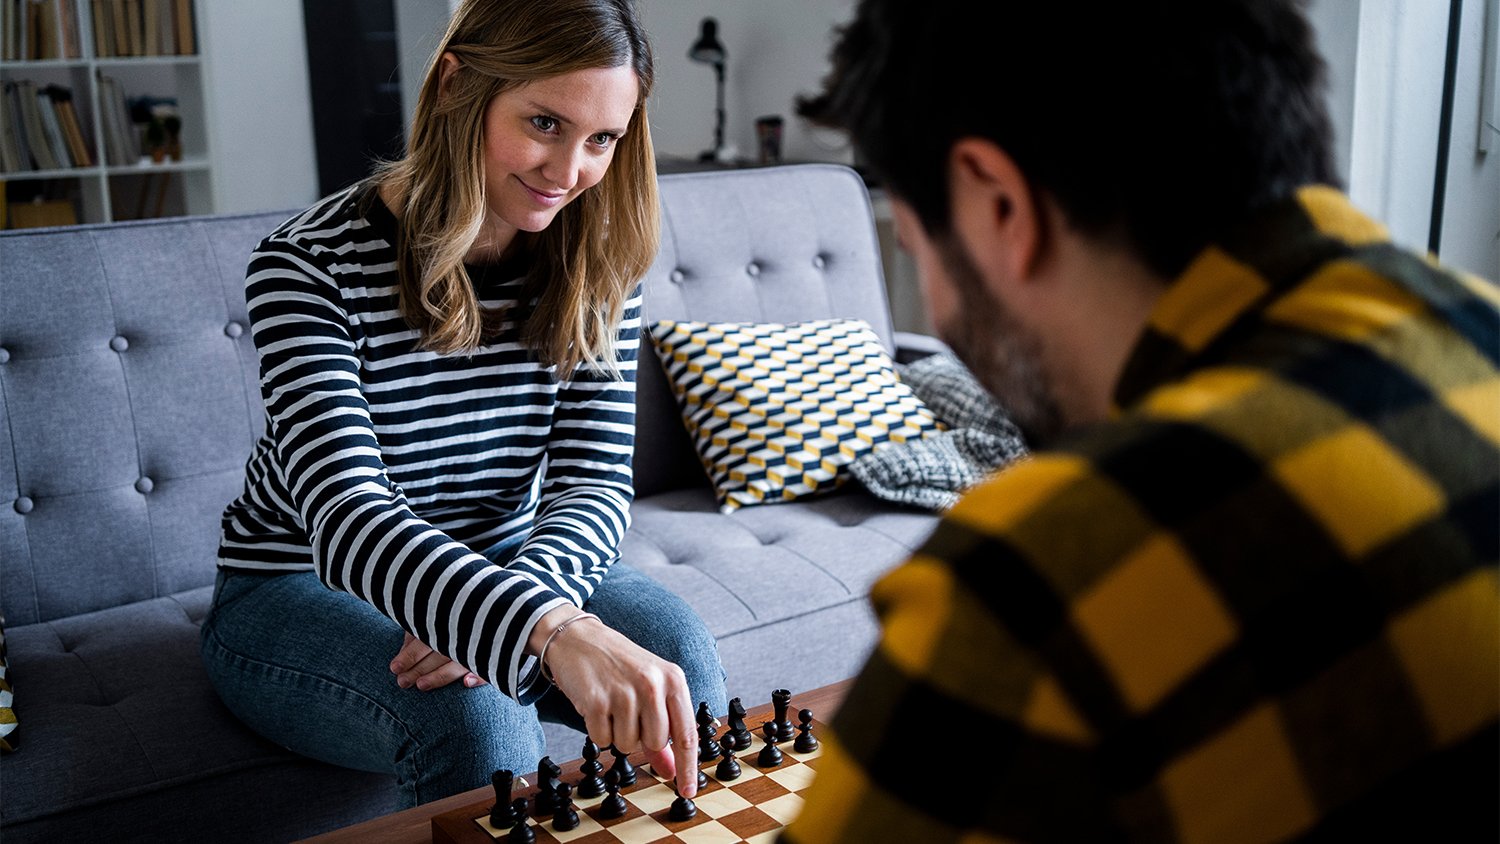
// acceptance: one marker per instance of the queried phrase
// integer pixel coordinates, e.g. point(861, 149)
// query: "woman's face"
point(548, 141)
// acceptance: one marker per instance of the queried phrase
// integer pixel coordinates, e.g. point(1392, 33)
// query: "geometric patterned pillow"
point(778, 412)
point(7, 712)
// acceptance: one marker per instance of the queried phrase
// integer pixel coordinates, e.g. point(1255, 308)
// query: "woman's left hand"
point(418, 665)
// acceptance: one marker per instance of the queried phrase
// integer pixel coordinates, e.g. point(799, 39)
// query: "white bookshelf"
point(105, 192)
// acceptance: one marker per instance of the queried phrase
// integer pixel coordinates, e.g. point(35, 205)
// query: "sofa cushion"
point(778, 412)
point(759, 566)
point(122, 696)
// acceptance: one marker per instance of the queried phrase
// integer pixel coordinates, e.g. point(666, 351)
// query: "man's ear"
point(995, 211)
point(447, 64)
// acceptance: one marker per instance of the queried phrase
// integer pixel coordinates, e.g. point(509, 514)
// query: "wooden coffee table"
point(415, 825)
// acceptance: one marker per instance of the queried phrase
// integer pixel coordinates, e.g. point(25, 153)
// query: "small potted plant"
point(173, 124)
point(156, 140)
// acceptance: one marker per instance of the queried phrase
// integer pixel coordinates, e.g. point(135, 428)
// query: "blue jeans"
point(308, 668)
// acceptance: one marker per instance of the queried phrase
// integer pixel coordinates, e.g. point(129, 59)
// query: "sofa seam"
point(135, 427)
point(716, 581)
point(852, 599)
point(229, 315)
point(15, 461)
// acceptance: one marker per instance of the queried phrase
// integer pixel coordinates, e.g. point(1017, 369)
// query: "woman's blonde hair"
point(584, 265)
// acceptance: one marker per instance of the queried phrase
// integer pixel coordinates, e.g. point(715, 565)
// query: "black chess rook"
point(781, 701)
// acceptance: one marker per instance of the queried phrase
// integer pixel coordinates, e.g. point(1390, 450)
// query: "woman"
point(448, 358)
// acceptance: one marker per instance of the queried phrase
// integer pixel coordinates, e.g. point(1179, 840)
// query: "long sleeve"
point(365, 537)
point(587, 489)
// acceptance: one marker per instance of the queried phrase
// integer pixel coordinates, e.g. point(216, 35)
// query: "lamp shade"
point(707, 48)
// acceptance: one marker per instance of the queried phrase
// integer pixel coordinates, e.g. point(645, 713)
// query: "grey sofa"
point(129, 399)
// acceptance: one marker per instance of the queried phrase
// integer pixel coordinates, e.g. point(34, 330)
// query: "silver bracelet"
point(541, 657)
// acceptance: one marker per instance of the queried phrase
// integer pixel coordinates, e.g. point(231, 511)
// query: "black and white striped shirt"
point(385, 468)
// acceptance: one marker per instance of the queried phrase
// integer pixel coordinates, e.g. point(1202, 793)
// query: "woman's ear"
point(447, 64)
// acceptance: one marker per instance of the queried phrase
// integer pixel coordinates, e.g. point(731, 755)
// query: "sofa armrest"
point(911, 346)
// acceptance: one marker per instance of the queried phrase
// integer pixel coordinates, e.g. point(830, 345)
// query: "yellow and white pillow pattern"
point(779, 411)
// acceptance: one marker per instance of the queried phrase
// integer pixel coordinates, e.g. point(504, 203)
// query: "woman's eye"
point(603, 139)
point(544, 123)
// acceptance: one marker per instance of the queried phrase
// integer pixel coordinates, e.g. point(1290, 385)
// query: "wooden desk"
point(414, 825)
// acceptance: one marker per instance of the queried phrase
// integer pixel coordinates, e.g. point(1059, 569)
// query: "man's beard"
point(1004, 355)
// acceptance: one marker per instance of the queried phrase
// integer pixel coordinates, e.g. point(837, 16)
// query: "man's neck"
point(1089, 329)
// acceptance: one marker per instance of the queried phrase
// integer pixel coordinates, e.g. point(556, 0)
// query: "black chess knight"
point(548, 777)
point(738, 736)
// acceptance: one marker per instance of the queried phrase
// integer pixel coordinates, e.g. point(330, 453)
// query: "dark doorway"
point(354, 71)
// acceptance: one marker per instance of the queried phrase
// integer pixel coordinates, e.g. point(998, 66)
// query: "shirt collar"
point(1230, 282)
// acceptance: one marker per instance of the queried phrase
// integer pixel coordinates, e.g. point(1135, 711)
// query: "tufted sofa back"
point(129, 399)
point(779, 244)
point(129, 387)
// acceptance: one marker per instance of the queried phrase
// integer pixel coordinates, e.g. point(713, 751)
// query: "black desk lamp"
point(708, 50)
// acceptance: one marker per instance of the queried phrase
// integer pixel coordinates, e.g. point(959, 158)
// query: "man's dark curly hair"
point(1162, 122)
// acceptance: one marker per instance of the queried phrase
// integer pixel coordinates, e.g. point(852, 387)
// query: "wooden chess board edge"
point(458, 826)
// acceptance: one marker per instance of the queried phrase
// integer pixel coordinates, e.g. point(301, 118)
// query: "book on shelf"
point(129, 28)
point(14, 156)
point(120, 147)
point(53, 131)
point(120, 26)
point(36, 131)
point(72, 128)
point(40, 30)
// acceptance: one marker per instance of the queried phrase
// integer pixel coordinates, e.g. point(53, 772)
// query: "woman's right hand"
point(628, 696)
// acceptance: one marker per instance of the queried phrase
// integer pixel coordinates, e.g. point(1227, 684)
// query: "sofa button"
point(753, 269)
point(118, 343)
point(144, 485)
point(676, 276)
point(819, 262)
point(24, 505)
point(234, 329)
point(4, 355)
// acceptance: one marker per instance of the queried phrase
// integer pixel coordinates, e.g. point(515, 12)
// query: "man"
point(1246, 588)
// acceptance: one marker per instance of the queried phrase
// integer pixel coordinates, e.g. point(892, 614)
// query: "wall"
point(1471, 223)
point(776, 49)
point(259, 116)
point(1398, 85)
point(1385, 67)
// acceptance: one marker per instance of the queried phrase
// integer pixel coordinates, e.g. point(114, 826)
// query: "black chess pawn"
point(614, 805)
point(770, 755)
point(682, 809)
point(548, 778)
point(806, 741)
point(702, 780)
point(781, 701)
point(728, 769)
point(622, 767)
point(591, 785)
point(738, 737)
point(565, 816)
point(520, 831)
point(502, 814)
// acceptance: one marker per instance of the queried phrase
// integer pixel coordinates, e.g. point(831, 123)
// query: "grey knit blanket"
point(933, 472)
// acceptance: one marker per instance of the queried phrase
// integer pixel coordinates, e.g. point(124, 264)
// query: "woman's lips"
point(547, 199)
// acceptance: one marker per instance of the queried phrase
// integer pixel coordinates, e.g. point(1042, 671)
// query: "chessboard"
point(752, 807)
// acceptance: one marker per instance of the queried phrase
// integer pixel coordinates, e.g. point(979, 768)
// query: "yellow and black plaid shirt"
point(1261, 603)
